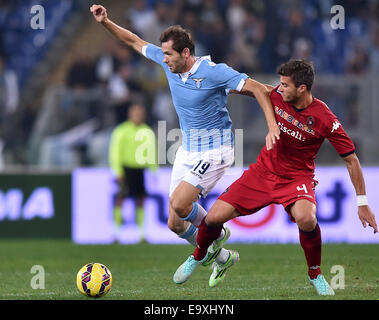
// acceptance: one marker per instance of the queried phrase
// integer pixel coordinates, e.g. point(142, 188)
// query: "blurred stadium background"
point(64, 88)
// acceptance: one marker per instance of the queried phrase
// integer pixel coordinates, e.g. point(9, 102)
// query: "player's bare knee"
point(209, 221)
point(213, 220)
point(220, 213)
point(181, 208)
point(306, 221)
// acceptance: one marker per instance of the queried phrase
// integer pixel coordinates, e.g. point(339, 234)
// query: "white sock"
point(223, 256)
point(222, 234)
point(196, 215)
point(190, 235)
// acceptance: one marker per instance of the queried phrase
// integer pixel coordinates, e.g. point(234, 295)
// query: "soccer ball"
point(94, 280)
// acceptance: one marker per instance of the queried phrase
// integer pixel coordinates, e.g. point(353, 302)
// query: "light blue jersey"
point(200, 99)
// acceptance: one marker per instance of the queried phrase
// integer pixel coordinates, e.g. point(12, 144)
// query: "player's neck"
point(190, 62)
point(304, 101)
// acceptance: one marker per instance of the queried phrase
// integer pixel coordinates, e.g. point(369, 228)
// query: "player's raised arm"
point(248, 93)
point(262, 94)
point(355, 171)
point(124, 35)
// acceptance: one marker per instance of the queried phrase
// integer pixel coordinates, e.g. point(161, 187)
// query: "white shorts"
point(201, 169)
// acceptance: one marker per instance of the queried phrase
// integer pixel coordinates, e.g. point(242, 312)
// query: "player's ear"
point(302, 88)
point(186, 52)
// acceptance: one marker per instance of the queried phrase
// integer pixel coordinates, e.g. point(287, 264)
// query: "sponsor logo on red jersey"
point(291, 119)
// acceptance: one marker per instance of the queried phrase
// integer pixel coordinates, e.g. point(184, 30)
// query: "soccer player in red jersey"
point(285, 174)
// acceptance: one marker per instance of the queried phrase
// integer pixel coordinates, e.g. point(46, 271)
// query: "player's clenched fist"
point(99, 12)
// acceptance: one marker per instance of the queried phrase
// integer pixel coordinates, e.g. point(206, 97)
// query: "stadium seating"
point(24, 46)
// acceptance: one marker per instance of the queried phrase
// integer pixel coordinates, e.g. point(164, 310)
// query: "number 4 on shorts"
point(302, 187)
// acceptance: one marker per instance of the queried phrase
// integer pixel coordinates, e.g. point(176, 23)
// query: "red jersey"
point(302, 134)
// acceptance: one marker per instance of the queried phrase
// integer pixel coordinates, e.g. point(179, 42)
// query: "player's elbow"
point(351, 160)
point(257, 89)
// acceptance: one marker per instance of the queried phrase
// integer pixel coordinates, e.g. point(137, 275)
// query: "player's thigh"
point(208, 168)
point(249, 193)
point(179, 170)
point(220, 213)
point(205, 176)
point(299, 199)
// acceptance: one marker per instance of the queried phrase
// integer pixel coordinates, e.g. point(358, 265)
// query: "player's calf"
point(206, 235)
point(180, 207)
point(175, 224)
point(181, 200)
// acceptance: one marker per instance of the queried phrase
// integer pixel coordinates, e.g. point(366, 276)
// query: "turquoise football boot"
point(184, 272)
point(322, 286)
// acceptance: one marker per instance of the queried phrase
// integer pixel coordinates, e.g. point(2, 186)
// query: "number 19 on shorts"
point(201, 167)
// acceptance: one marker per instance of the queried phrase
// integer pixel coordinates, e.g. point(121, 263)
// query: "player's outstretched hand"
point(367, 217)
point(272, 136)
point(99, 12)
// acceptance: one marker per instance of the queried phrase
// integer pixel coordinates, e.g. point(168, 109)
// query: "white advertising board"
point(93, 190)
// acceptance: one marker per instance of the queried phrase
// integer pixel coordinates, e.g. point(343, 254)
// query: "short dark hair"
point(300, 71)
point(181, 38)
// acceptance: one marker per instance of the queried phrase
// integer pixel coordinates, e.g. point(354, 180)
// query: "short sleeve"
point(153, 52)
point(228, 78)
point(338, 137)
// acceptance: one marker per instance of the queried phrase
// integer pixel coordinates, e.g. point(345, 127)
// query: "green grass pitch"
point(144, 271)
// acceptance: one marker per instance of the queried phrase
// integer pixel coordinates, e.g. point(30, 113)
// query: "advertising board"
point(93, 191)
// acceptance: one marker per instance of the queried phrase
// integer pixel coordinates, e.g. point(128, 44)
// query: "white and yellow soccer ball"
point(94, 280)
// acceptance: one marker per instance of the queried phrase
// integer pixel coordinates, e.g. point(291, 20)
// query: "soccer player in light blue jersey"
point(199, 90)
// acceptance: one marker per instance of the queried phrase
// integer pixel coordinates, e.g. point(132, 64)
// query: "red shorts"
point(256, 189)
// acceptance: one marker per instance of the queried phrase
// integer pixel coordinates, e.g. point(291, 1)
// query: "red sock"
point(311, 244)
point(205, 236)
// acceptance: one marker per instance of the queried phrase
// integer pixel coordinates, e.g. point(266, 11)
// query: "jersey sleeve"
point(227, 78)
point(153, 53)
point(338, 137)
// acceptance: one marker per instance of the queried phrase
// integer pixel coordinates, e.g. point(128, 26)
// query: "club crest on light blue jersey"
point(198, 82)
